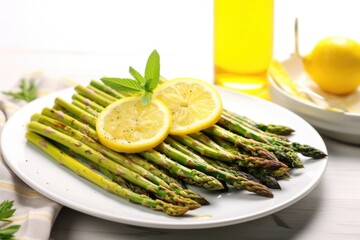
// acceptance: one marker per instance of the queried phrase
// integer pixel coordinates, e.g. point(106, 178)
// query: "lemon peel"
point(334, 65)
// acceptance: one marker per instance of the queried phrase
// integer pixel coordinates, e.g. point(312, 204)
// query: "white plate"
point(342, 126)
point(59, 184)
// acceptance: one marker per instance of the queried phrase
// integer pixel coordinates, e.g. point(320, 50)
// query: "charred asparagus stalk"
point(231, 169)
point(104, 88)
point(241, 160)
point(237, 127)
point(101, 160)
point(187, 174)
point(101, 99)
point(197, 177)
point(175, 185)
point(46, 146)
point(117, 157)
point(270, 128)
point(236, 181)
point(286, 155)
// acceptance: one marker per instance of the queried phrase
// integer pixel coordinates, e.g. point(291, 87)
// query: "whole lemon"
point(334, 64)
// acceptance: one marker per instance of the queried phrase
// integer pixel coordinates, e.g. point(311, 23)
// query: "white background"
point(92, 37)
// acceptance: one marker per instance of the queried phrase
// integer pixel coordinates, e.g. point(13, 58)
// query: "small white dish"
point(341, 125)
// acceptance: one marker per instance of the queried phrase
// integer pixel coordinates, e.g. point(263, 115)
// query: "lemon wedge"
point(128, 126)
point(282, 78)
point(194, 104)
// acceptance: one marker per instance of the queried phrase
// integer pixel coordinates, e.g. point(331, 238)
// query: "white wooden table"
point(87, 39)
point(330, 211)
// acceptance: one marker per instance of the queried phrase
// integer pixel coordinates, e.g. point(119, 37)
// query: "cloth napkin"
point(34, 212)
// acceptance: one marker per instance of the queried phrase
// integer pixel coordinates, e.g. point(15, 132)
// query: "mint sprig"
point(6, 211)
point(140, 84)
point(27, 92)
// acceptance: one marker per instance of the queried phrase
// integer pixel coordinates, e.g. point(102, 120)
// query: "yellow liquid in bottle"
point(243, 44)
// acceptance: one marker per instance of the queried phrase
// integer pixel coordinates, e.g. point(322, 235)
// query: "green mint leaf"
point(26, 93)
point(8, 232)
point(152, 71)
point(23, 87)
point(149, 85)
point(146, 98)
point(137, 76)
point(123, 84)
point(14, 95)
point(32, 91)
point(6, 210)
point(140, 84)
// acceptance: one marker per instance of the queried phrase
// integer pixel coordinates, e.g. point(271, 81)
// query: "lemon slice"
point(194, 104)
point(127, 126)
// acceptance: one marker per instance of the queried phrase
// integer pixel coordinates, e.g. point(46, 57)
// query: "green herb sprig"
point(143, 85)
point(27, 92)
point(6, 211)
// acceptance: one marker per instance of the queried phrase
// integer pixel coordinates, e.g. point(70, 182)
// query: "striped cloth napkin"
point(34, 213)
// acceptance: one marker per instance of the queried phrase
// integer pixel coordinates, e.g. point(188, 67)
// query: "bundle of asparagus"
point(236, 152)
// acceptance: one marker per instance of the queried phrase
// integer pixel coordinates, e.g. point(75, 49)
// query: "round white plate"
point(59, 184)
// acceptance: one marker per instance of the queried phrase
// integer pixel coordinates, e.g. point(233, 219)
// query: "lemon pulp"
point(128, 126)
point(194, 104)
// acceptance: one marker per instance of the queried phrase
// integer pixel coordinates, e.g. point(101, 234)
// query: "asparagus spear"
point(117, 157)
point(86, 108)
point(241, 160)
point(236, 181)
point(175, 185)
point(254, 161)
point(267, 177)
point(217, 164)
point(102, 93)
point(264, 178)
point(95, 96)
point(119, 180)
point(191, 175)
point(104, 88)
point(287, 155)
point(76, 112)
point(161, 173)
point(208, 141)
point(209, 182)
point(305, 150)
point(270, 128)
point(101, 160)
point(87, 102)
point(80, 169)
point(116, 178)
point(241, 121)
point(70, 121)
point(82, 127)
